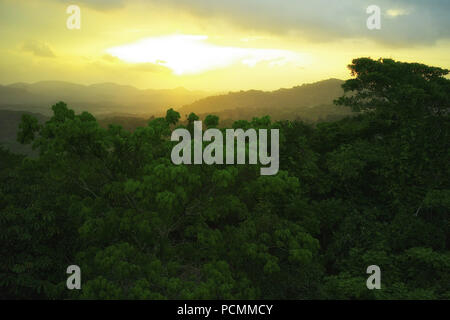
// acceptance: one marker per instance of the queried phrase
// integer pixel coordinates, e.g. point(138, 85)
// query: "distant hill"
point(132, 108)
point(13, 95)
point(308, 102)
point(311, 102)
point(97, 98)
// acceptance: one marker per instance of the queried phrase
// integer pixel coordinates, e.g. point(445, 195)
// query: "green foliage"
point(404, 88)
point(211, 121)
point(370, 189)
point(27, 129)
point(172, 116)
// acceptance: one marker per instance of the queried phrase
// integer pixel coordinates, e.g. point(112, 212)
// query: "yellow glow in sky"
point(192, 54)
point(211, 45)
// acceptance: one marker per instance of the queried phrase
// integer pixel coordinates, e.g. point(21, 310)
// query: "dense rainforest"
point(371, 189)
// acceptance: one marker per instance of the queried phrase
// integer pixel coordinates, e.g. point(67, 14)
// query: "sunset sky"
point(213, 45)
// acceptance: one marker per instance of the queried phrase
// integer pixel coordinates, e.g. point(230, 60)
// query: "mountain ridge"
point(309, 101)
point(97, 98)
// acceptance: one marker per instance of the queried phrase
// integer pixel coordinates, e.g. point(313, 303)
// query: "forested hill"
point(309, 102)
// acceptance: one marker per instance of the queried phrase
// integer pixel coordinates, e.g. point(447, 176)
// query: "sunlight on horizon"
point(192, 54)
point(236, 45)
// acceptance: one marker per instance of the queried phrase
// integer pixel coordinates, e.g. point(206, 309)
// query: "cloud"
point(110, 58)
point(404, 22)
point(416, 21)
point(114, 62)
point(397, 12)
point(38, 48)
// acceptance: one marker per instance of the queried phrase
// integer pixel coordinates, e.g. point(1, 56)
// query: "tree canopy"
point(369, 189)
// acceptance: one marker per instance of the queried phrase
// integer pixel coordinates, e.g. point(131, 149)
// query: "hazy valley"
point(130, 107)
